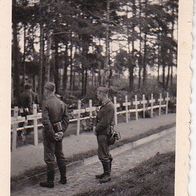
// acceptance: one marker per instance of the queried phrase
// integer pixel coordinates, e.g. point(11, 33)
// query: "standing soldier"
point(55, 121)
point(105, 119)
point(27, 99)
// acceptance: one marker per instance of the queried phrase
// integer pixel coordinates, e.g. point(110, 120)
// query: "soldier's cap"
point(103, 89)
point(50, 86)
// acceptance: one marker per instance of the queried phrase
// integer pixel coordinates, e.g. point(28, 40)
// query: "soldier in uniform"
point(105, 119)
point(55, 121)
point(27, 99)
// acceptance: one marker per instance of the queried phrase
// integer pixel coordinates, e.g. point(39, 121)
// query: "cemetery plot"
point(82, 119)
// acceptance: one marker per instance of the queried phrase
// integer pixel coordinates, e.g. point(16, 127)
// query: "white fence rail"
point(134, 106)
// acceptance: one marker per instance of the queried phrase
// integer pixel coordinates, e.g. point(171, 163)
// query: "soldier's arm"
point(65, 118)
point(107, 118)
point(46, 120)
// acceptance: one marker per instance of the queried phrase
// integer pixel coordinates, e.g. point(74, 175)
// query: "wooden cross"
point(35, 117)
point(160, 101)
point(90, 109)
point(127, 104)
point(116, 105)
point(78, 112)
point(144, 102)
point(14, 121)
point(167, 101)
point(136, 103)
point(152, 103)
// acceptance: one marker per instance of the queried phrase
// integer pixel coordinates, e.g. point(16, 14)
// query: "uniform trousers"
point(103, 149)
point(53, 149)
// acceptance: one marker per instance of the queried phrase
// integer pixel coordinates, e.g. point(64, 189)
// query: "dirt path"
point(82, 178)
point(154, 177)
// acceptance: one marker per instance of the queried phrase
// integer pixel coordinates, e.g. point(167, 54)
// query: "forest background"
point(128, 45)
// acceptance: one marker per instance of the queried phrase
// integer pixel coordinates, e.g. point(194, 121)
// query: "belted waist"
point(57, 126)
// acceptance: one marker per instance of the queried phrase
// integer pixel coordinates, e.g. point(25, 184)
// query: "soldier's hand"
point(58, 136)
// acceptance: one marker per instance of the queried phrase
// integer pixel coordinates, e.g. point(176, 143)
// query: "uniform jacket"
point(54, 110)
point(26, 100)
point(105, 118)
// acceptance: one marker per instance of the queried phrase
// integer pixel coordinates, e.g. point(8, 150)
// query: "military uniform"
point(26, 108)
point(105, 119)
point(54, 111)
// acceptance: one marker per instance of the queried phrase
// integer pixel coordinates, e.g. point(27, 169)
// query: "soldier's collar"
point(105, 102)
point(50, 96)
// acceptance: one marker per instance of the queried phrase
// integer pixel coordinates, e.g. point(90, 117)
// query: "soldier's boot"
point(100, 176)
point(50, 180)
point(63, 179)
point(106, 177)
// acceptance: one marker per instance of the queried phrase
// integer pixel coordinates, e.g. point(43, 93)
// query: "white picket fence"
point(135, 106)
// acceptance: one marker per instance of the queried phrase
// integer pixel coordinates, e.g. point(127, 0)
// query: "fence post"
point(78, 119)
point(14, 121)
point(35, 128)
point(90, 106)
point(115, 112)
point(136, 102)
point(14, 130)
point(90, 109)
point(167, 101)
point(160, 102)
point(143, 102)
point(127, 104)
point(152, 103)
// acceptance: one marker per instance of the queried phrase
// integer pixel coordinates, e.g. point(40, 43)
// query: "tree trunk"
point(92, 78)
point(163, 76)
point(145, 51)
point(158, 59)
point(133, 46)
point(107, 64)
point(171, 76)
point(131, 79)
point(56, 66)
point(24, 56)
point(66, 64)
point(168, 75)
point(16, 81)
point(139, 77)
point(74, 81)
point(83, 81)
point(163, 53)
point(158, 73)
point(41, 57)
point(140, 61)
point(99, 76)
point(71, 67)
point(173, 54)
point(144, 62)
point(47, 65)
point(130, 64)
point(86, 81)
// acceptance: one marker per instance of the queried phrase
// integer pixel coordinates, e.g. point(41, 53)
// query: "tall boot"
point(50, 180)
point(106, 177)
point(63, 179)
point(101, 175)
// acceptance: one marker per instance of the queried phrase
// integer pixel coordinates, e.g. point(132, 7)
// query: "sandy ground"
point(82, 179)
point(29, 157)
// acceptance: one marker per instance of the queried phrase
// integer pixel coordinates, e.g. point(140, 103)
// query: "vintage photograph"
point(93, 97)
